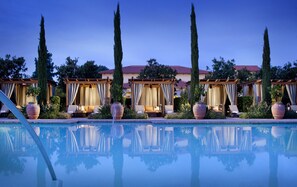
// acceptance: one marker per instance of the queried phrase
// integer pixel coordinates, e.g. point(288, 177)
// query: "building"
point(183, 73)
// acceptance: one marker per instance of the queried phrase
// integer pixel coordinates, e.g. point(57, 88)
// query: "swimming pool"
point(147, 154)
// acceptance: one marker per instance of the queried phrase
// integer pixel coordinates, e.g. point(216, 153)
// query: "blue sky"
point(159, 29)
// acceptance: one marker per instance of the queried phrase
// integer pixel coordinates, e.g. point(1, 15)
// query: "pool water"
point(151, 155)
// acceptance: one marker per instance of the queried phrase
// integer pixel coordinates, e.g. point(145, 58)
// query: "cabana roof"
point(152, 81)
point(86, 80)
point(23, 81)
point(219, 81)
point(274, 81)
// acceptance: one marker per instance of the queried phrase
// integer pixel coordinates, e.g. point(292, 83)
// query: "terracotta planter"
point(278, 131)
point(117, 110)
point(33, 110)
point(278, 110)
point(199, 110)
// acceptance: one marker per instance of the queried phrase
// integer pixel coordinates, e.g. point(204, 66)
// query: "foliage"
point(42, 65)
point(116, 92)
point(185, 107)
point(23, 111)
point(103, 113)
point(222, 69)
point(12, 67)
point(244, 103)
point(198, 92)
point(131, 114)
point(194, 57)
point(244, 75)
point(33, 91)
point(154, 70)
point(262, 110)
point(90, 70)
point(276, 93)
point(68, 70)
point(50, 67)
point(288, 71)
point(180, 115)
point(51, 111)
point(211, 114)
point(71, 69)
point(266, 82)
point(117, 86)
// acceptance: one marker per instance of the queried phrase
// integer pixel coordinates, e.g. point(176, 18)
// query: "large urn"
point(199, 110)
point(33, 110)
point(278, 110)
point(117, 110)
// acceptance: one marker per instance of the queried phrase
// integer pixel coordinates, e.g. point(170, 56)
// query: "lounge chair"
point(96, 109)
point(4, 111)
point(234, 111)
point(294, 108)
point(168, 109)
point(139, 109)
point(72, 109)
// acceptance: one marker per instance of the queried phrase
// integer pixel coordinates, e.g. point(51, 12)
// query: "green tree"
point(42, 65)
point(50, 67)
point(117, 84)
point(90, 70)
point(244, 75)
point(12, 67)
point(266, 82)
point(194, 57)
point(154, 70)
point(288, 71)
point(67, 70)
point(222, 69)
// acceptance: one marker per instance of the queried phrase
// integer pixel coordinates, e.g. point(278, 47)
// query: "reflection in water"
point(154, 150)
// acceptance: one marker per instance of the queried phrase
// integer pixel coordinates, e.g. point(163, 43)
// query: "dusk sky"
point(159, 29)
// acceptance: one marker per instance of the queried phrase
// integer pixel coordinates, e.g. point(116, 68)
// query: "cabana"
point(87, 93)
point(255, 88)
point(218, 90)
point(16, 89)
point(153, 96)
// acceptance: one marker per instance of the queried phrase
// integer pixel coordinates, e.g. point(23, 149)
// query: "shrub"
point(211, 114)
point(244, 103)
point(131, 114)
point(262, 110)
point(103, 113)
point(180, 115)
point(63, 115)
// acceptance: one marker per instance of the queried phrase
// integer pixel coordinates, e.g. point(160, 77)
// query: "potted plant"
point(199, 108)
point(33, 109)
point(116, 109)
point(278, 108)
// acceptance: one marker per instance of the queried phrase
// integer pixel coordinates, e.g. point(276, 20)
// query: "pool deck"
point(157, 121)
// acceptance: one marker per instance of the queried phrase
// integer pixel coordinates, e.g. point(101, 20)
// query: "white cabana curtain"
point(72, 91)
point(202, 98)
point(245, 90)
point(137, 92)
point(231, 90)
point(8, 88)
point(101, 91)
point(257, 92)
point(166, 88)
point(291, 89)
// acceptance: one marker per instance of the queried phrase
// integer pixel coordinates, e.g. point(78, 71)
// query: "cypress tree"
point(117, 83)
point(42, 65)
point(194, 57)
point(266, 82)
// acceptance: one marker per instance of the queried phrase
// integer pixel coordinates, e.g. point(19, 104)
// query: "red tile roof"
point(251, 68)
point(137, 69)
